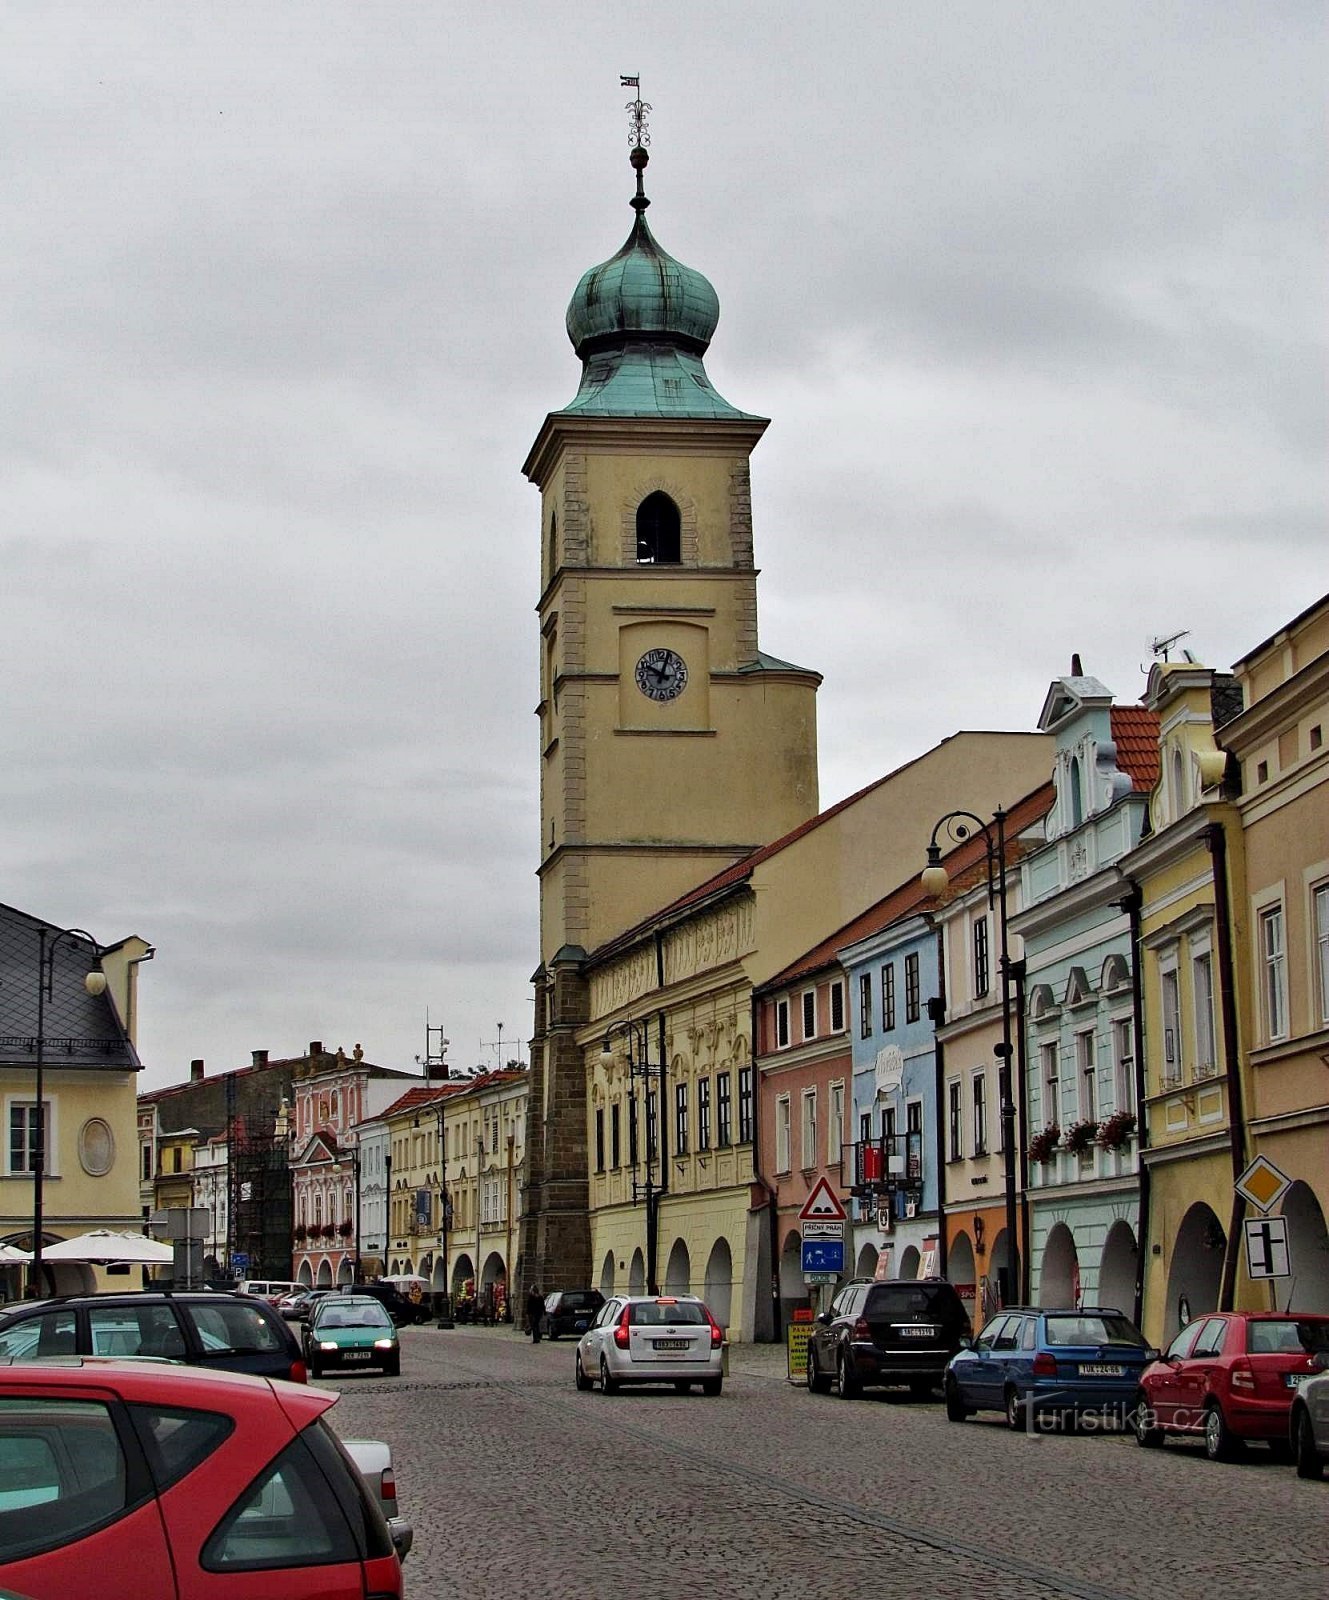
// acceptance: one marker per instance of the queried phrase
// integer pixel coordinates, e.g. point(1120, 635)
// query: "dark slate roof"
point(78, 1029)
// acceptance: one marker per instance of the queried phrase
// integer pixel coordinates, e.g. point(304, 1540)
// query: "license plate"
point(1101, 1369)
point(671, 1344)
point(356, 1355)
point(918, 1333)
point(1294, 1380)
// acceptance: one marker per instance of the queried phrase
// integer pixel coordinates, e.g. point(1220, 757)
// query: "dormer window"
point(659, 531)
point(1077, 793)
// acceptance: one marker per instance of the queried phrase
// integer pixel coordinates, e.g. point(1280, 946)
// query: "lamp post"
point(641, 1066)
point(957, 827)
point(94, 981)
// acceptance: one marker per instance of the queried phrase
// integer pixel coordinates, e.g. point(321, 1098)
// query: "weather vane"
point(638, 134)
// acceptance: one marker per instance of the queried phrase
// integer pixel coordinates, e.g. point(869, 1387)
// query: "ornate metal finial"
point(638, 133)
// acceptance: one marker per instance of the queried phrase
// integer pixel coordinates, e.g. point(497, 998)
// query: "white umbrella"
point(11, 1256)
point(104, 1247)
point(405, 1277)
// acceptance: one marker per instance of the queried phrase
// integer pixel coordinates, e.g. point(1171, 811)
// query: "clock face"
point(662, 674)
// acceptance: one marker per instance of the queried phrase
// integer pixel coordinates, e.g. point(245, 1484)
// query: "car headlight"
point(384, 1344)
point(326, 1344)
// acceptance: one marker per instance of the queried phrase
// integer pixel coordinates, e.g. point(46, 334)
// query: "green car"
point(346, 1331)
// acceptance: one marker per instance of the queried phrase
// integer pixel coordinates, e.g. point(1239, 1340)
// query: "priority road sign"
point(1263, 1184)
point(1267, 1251)
point(822, 1205)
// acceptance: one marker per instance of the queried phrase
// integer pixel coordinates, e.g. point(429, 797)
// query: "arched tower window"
point(1178, 783)
point(553, 543)
point(659, 530)
point(1077, 794)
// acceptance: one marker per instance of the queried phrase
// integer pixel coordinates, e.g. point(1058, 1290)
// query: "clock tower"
point(670, 744)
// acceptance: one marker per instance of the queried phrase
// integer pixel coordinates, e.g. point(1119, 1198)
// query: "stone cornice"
point(717, 436)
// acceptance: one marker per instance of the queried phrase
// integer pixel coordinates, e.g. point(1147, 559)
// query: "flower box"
point(1081, 1137)
point(1117, 1130)
point(1043, 1145)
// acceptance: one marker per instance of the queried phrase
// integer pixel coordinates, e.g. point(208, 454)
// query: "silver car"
point(652, 1339)
point(1308, 1427)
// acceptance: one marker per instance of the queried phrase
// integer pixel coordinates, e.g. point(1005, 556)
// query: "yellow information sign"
point(797, 1338)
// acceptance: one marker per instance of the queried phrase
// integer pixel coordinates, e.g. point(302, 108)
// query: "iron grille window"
point(745, 1105)
point(911, 988)
point(723, 1109)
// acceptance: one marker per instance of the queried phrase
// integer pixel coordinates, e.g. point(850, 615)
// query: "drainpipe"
point(772, 1198)
point(1131, 903)
point(1022, 1129)
point(1216, 838)
point(937, 1015)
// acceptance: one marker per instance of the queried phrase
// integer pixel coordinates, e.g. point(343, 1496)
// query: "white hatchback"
point(652, 1339)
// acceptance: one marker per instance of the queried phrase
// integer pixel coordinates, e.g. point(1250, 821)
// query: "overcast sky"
point(1032, 295)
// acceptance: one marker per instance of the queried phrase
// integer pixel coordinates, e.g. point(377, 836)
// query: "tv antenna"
point(1160, 647)
point(434, 1061)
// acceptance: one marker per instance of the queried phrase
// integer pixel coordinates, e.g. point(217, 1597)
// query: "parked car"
point(269, 1289)
point(349, 1331)
point(134, 1478)
point(373, 1461)
point(1230, 1377)
point(296, 1305)
point(901, 1331)
point(652, 1339)
point(1033, 1362)
point(227, 1332)
point(571, 1310)
point(397, 1306)
point(1308, 1426)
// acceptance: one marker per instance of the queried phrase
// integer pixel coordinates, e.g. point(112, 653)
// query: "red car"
point(1230, 1377)
point(127, 1479)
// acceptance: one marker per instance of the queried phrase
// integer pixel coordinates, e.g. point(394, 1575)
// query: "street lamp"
point(48, 941)
point(959, 826)
point(641, 1066)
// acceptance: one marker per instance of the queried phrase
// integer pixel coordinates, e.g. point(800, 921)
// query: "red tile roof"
point(1135, 729)
point(416, 1097)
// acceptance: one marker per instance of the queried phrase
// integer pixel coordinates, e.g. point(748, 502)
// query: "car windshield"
point(1294, 1337)
point(655, 1313)
point(356, 1314)
point(1089, 1329)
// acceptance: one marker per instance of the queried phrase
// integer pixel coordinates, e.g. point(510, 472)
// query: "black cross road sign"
point(1267, 1252)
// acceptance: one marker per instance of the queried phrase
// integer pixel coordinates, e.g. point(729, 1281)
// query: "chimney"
point(196, 1072)
point(260, 1058)
point(316, 1047)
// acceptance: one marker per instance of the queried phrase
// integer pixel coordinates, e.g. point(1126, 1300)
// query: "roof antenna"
point(1160, 647)
point(638, 137)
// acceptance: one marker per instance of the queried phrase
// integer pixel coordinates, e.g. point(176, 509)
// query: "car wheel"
point(956, 1410)
point(712, 1386)
point(846, 1378)
point(315, 1371)
point(1219, 1444)
point(608, 1383)
point(1310, 1463)
point(394, 1369)
point(817, 1381)
point(1143, 1424)
point(1017, 1417)
point(583, 1382)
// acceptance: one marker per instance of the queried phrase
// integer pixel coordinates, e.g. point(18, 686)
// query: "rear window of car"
point(912, 1300)
point(135, 1330)
point(175, 1440)
point(50, 1334)
point(657, 1313)
point(1290, 1338)
point(285, 1518)
point(232, 1326)
point(1082, 1329)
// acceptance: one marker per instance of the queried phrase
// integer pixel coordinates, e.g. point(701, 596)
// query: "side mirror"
point(966, 1343)
point(824, 1318)
point(1151, 1354)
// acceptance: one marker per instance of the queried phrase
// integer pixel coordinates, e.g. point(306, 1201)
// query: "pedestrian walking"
point(535, 1310)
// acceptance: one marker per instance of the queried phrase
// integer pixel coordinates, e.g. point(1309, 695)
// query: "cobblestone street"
point(518, 1485)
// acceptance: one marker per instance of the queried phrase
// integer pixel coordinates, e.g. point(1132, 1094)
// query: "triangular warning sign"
point(822, 1205)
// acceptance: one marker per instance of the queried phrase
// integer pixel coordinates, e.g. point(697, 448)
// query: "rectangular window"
point(23, 1139)
point(865, 1127)
point(1274, 957)
point(652, 1125)
point(955, 1123)
point(913, 1122)
point(808, 1150)
point(782, 1134)
point(632, 1130)
point(703, 1113)
point(147, 1163)
point(981, 973)
point(888, 1128)
point(1171, 1027)
point(1123, 1057)
point(888, 997)
point(723, 1109)
point(837, 1006)
point(680, 1119)
point(599, 1138)
point(911, 988)
point(615, 1130)
point(835, 1127)
point(745, 1105)
point(810, 1014)
point(1322, 949)
point(865, 1006)
point(781, 1024)
point(1086, 1062)
point(1202, 978)
point(1051, 1086)
point(980, 1096)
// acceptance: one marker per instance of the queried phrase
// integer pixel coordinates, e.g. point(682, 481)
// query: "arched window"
point(1077, 794)
point(659, 530)
point(1178, 782)
point(553, 543)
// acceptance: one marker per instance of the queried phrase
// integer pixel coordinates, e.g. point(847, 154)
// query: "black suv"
point(571, 1310)
point(901, 1331)
point(394, 1302)
point(232, 1332)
